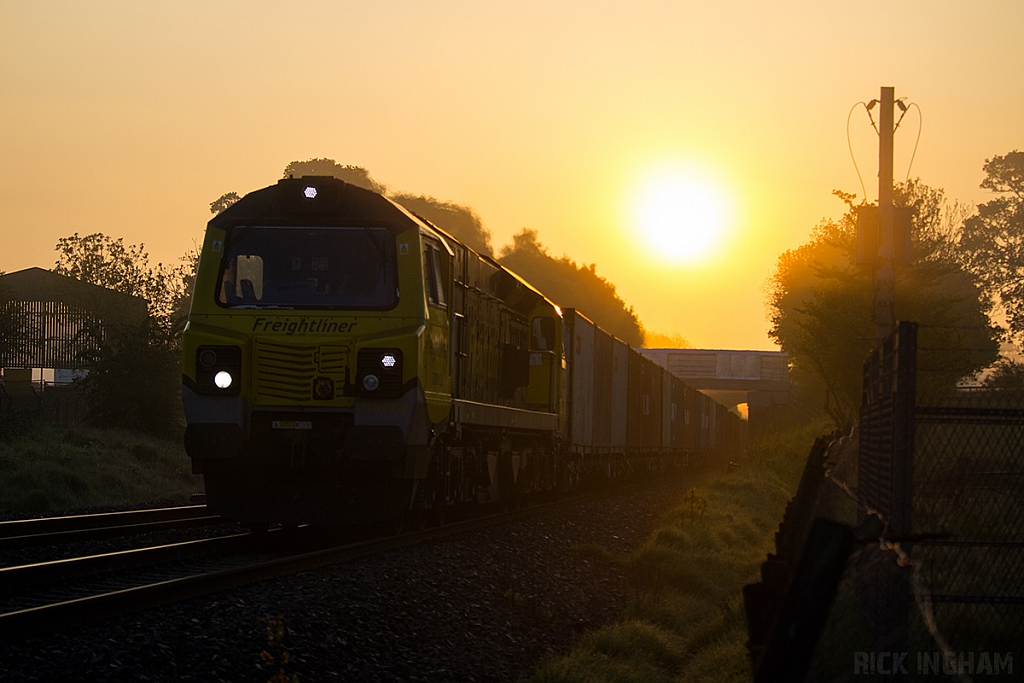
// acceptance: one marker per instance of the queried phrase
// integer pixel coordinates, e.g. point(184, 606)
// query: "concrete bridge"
point(758, 378)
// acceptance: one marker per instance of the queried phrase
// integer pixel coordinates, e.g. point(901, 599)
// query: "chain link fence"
point(929, 488)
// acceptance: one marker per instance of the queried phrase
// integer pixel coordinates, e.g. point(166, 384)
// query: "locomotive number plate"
point(291, 424)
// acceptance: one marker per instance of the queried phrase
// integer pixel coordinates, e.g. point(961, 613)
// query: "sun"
point(682, 215)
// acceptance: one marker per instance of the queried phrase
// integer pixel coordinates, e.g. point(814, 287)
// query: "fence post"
point(885, 483)
point(904, 396)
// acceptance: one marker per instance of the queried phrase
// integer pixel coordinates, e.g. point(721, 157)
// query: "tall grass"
point(686, 620)
point(51, 468)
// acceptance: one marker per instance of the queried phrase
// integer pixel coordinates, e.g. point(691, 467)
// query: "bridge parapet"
point(758, 378)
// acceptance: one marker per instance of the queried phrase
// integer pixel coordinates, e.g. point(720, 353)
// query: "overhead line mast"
point(885, 277)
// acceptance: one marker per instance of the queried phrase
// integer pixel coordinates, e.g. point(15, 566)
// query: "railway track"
point(25, 533)
point(50, 596)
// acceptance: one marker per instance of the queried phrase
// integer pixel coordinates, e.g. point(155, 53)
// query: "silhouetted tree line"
point(965, 265)
point(561, 279)
point(572, 286)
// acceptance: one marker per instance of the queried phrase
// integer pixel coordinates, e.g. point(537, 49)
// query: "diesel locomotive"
point(347, 362)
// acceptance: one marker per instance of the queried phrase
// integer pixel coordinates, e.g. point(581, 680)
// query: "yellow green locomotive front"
point(315, 370)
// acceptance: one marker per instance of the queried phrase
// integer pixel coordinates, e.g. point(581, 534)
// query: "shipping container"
point(678, 406)
point(666, 409)
point(713, 418)
point(651, 378)
point(635, 402)
point(603, 367)
point(705, 421)
point(620, 393)
point(579, 336)
point(691, 420)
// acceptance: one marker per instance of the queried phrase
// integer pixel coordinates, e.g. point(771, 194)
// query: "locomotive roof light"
point(309, 192)
point(388, 360)
point(223, 379)
point(370, 382)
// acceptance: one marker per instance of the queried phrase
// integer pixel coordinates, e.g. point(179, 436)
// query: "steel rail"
point(23, 576)
point(126, 518)
point(103, 533)
point(45, 618)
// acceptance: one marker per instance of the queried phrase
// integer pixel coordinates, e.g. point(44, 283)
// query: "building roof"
point(38, 284)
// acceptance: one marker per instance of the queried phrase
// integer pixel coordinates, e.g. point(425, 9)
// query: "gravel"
point(487, 605)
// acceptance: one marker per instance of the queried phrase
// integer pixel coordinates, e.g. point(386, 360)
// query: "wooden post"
point(885, 279)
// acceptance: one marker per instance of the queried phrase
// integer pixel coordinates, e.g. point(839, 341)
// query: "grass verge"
point(51, 468)
point(686, 620)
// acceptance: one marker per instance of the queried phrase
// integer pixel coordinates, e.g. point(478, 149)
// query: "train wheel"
point(441, 514)
point(508, 501)
point(259, 534)
point(415, 518)
point(257, 529)
point(435, 511)
point(397, 525)
point(436, 487)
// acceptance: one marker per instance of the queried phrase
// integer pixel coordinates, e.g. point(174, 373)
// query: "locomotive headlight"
point(309, 192)
point(218, 370)
point(379, 373)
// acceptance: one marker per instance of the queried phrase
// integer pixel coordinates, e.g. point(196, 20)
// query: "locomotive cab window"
point(243, 279)
point(300, 267)
point(434, 274)
point(542, 334)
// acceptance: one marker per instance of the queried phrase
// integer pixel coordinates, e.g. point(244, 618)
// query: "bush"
point(135, 381)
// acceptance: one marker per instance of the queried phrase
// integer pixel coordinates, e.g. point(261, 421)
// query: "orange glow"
point(683, 215)
point(552, 116)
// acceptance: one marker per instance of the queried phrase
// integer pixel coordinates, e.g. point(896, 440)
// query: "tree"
point(570, 285)
point(224, 201)
point(993, 239)
point(134, 379)
point(354, 175)
point(135, 370)
point(1006, 374)
point(657, 340)
point(104, 261)
point(820, 305)
point(459, 221)
point(180, 295)
point(108, 262)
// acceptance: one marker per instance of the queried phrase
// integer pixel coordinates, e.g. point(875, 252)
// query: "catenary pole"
point(885, 295)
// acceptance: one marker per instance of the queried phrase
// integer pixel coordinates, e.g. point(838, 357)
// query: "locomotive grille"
point(333, 359)
point(283, 372)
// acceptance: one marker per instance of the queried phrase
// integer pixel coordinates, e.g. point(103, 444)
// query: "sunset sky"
point(129, 118)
